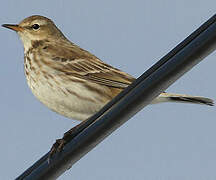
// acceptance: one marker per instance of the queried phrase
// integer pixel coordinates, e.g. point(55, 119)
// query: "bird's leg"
point(68, 136)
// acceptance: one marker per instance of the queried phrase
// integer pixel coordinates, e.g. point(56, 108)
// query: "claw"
point(58, 146)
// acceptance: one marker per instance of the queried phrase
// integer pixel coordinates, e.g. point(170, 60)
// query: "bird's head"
point(35, 28)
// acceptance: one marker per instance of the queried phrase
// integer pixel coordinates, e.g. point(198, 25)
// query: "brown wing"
point(80, 63)
point(98, 72)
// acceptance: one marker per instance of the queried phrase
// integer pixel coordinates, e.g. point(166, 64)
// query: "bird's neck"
point(27, 43)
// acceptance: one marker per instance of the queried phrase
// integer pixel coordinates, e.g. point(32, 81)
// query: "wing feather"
point(75, 61)
point(98, 72)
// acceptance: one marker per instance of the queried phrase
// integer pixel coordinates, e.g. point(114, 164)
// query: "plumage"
point(70, 80)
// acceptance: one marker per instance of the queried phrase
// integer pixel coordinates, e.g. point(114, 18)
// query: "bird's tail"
point(182, 98)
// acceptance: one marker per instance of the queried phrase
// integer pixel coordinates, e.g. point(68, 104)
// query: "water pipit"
point(70, 80)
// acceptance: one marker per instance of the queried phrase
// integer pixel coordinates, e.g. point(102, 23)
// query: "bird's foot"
point(59, 145)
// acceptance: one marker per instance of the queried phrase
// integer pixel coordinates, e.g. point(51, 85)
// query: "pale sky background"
point(162, 142)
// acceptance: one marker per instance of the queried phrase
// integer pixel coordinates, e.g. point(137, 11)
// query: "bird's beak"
point(14, 27)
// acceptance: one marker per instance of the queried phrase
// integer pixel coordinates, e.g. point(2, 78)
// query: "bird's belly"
point(72, 100)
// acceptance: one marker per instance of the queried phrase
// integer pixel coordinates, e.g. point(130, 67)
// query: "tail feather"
point(196, 100)
point(181, 98)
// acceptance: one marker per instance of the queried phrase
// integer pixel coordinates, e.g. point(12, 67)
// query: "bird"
point(70, 80)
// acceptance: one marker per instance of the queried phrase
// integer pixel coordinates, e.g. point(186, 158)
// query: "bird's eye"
point(35, 26)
